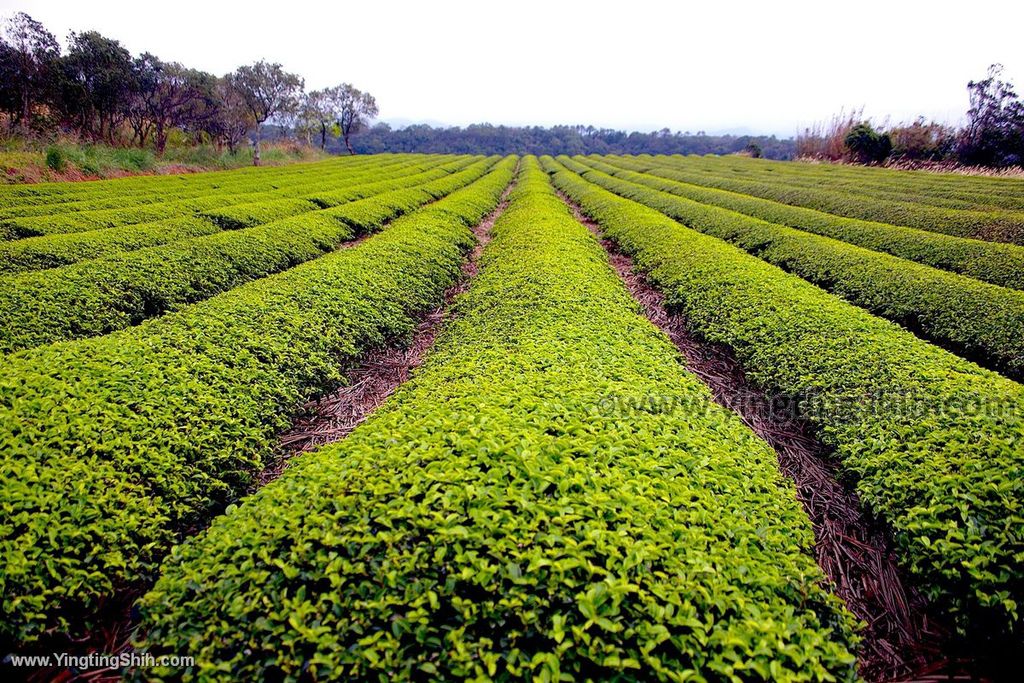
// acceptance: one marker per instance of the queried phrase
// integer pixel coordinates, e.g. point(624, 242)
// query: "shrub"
point(132, 159)
point(826, 140)
point(867, 145)
point(920, 141)
point(55, 159)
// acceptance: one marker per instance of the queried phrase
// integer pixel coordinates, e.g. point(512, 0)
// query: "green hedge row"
point(956, 192)
point(932, 442)
point(52, 251)
point(113, 446)
point(111, 194)
point(100, 296)
point(980, 321)
point(993, 262)
point(32, 226)
point(521, 528)
point(313, 196)
point(311, 189)
point(999, 226)
point(997, 192)
point(78, 221)
point(257, 213)
point(57, 196)
point(336, 195)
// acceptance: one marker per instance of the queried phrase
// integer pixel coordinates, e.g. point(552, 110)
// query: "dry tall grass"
point(827, 140)
point(954, 167)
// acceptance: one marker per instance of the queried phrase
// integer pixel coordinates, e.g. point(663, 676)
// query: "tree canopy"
point(994, 135)
point(355, 110)
point(267, 91)
point(98, 91)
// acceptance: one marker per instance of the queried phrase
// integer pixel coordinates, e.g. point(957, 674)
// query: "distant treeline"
point(489, 139)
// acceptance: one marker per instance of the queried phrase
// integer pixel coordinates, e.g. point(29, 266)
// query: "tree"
point(305, 121)
point(866, 145)
point(146, 69)
point(199, 117)
point(267, 91)
point(320, 109)
point(994, 135)
point(174, 97)
point(232, 119)
point(356, 109)
point(98, 84)
point(28, 56)
point(10, 100)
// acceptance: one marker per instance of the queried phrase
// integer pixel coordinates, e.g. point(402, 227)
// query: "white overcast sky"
point(767, 67)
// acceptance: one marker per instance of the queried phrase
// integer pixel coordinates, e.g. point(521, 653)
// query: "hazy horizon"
point(651, 67)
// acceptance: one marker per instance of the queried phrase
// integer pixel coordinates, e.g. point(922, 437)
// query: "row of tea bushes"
point(171, 204)
point(99, 296)
point(115, 446)
point(522, 527)
point(945, 191)
point(931, 442)
point(999, 226)
point(992, 262)
point(36, 199)
point(53, 251)
point(977, 320)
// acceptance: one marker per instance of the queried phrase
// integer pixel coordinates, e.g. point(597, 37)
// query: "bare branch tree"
point(233, 119)
point(268, 91)
point(356, 110)
point(320, 110)
point(176, 96)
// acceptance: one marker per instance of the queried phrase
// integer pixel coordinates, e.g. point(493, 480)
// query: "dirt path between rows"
point(332, 417)
point(900, 641)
